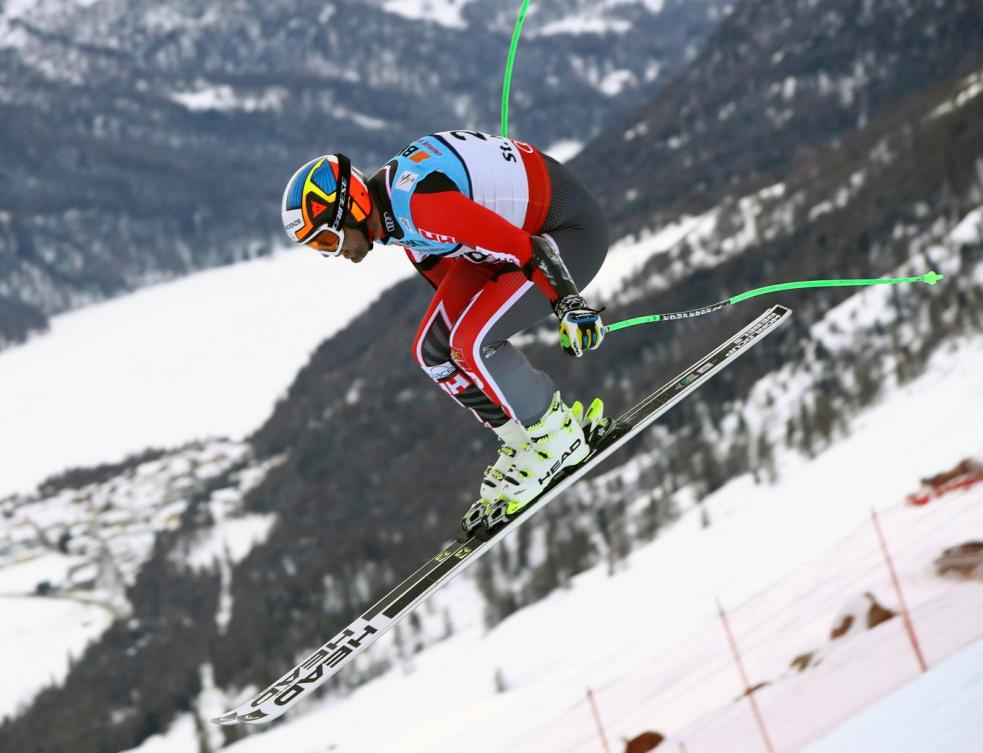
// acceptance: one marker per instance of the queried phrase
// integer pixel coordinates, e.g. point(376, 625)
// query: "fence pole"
point(905, 614)
point(744, 678)
point(597, 720)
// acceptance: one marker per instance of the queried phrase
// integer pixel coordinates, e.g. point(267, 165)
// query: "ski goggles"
point(328, 237)
point(327, 241)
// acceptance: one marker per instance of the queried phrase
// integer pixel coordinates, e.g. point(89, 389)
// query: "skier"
point(504, 234)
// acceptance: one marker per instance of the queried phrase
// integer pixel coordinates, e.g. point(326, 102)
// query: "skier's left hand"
point(581, 328)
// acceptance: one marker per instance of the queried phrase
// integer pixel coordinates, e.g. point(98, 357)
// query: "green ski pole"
point(929, 277)
point(507, 82)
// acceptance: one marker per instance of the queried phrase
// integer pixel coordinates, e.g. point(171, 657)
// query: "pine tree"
point(765, 459)
point(806, 426)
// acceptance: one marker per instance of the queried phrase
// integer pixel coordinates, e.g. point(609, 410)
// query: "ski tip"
point(234, 717)
point(931, 277)
point(256, 716)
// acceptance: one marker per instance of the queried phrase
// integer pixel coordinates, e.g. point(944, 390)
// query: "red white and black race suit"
point(466, 217)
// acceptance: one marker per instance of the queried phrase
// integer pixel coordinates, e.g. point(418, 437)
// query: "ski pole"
point(507, 83)
point(929, 277)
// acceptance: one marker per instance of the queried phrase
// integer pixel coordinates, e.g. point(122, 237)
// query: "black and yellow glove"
point(581, 328)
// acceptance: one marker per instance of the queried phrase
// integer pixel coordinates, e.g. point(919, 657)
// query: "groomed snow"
point(940, 712)
point(202, 356)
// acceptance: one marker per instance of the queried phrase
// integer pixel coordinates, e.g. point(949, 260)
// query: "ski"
point(331, 657)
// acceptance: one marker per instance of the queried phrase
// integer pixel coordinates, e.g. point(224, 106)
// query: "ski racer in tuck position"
point(504, 234)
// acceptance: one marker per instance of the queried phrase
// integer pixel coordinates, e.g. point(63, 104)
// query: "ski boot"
point(513, 438)
point(560, 439)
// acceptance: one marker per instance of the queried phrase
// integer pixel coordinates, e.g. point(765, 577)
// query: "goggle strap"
point(344, 188)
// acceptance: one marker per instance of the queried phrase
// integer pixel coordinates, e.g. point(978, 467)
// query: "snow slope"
point(546, 655)
point(205, 355)
point(937, 713)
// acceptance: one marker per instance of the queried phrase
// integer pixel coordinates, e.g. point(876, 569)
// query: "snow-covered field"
point(201, 356)
point(648, 640)
point(444, 12)
point(38, 639)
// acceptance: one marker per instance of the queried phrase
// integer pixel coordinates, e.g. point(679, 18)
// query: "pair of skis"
point(300, 681)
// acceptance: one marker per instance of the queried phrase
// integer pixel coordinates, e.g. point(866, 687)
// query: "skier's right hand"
point(581, 328)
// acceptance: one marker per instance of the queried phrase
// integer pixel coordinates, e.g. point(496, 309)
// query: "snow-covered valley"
point(207, 355)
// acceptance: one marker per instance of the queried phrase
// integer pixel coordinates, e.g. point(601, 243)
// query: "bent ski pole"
point(929, 277)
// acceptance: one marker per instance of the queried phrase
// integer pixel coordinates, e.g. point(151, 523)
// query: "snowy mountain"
point(139, 138)
point(769, 465)
point(775, 90)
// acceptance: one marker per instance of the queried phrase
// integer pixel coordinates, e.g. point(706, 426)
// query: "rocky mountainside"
point(366, 466)
point(143, 140)
point(778, 85)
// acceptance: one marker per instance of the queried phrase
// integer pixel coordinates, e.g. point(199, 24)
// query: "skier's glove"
point(581, 328)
